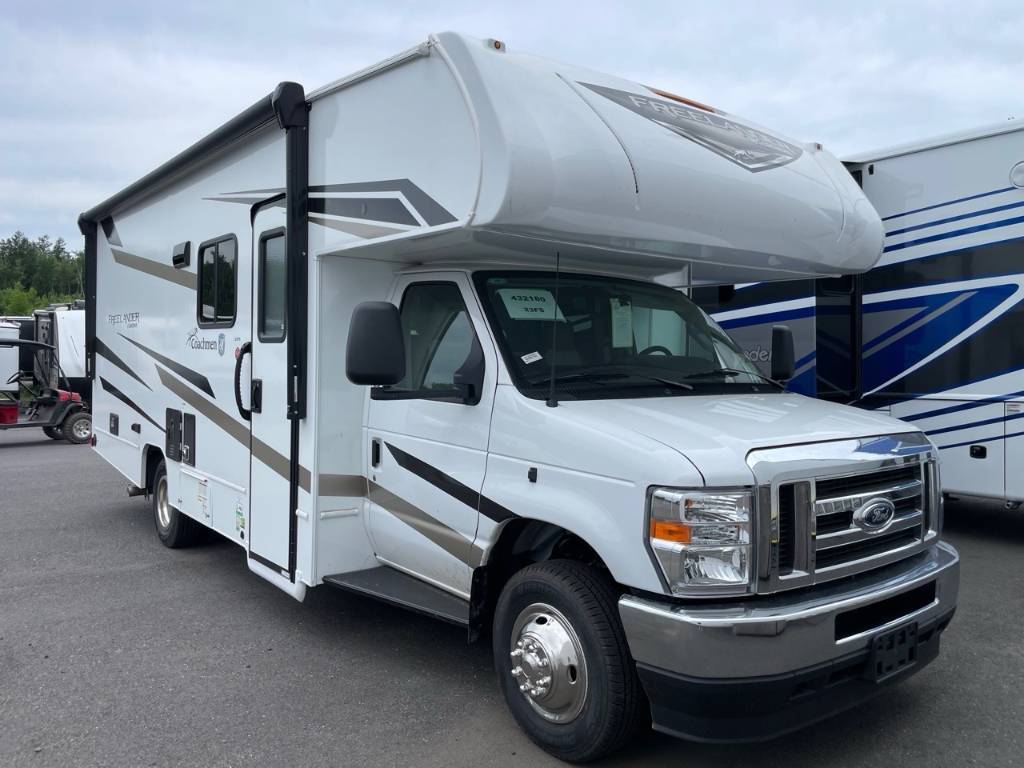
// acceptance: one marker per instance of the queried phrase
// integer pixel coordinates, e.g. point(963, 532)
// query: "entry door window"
point(273, 287)
point(439, 335)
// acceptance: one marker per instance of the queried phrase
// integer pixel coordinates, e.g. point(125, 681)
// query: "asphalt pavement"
point(115, 651)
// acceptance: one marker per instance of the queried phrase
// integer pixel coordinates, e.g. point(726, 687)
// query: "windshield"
point(610, 338)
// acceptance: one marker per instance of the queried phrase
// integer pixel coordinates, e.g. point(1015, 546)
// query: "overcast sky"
point(95, 94)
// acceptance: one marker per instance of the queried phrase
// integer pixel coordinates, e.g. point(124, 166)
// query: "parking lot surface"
point(115, 651)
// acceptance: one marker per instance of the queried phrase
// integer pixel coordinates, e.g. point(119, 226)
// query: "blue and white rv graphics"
point(935, 332)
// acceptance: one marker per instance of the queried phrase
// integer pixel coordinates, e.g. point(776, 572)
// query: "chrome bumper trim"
point(773, 635)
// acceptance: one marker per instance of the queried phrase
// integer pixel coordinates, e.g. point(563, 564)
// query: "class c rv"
point(931, 334)
point(416, 335)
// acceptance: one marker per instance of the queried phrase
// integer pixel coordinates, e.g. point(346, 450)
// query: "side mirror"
point(469, 379)
point(783, 357)
point(375, 353)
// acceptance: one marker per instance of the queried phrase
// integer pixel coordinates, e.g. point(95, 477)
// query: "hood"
point(717, 432)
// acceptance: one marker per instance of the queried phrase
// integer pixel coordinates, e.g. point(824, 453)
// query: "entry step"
point(399, 588)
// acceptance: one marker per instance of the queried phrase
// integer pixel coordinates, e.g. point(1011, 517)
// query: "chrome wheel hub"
point(548, 664)
point(163, 506)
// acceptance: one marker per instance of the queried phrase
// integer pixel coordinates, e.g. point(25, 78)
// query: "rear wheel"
point(562, 660)
point(53, 433)
point(77, 428)
point(174, 529)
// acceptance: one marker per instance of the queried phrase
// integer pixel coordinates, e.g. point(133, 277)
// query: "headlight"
point(701, 539)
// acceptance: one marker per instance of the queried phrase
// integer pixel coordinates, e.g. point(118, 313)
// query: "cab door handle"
point(375, 452)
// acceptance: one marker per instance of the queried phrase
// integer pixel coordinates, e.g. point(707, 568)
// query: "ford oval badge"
point(874, 515)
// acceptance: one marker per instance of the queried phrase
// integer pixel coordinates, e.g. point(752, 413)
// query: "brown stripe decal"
point(448, 539)
point(341, 485)
point(155, 268)
point(236, 429)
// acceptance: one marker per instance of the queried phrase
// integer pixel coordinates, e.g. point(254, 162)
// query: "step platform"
point(407, 591)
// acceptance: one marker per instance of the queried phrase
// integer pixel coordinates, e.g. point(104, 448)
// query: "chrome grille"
point(808, 497)
point(839, 541)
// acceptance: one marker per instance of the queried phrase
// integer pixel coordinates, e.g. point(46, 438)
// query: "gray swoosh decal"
point(356, 228)
point(390, 210)
point(111, 389)
point(104, 351)
point(195, 378)
point(432, 211)
point(155, 269)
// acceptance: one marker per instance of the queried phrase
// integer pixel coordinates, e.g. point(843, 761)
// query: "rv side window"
point(273, 285)
point(217, 281)
point(439, 335)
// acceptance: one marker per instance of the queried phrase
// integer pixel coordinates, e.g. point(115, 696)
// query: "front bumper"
point(753, 669)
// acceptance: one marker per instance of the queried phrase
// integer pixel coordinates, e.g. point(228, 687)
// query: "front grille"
point(818, 537)
point(787, 528)
point(884, 542)
point(857, 484)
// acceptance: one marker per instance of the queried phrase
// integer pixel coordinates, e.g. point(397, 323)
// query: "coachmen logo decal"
point(747, 147)
point(874, 515)
point(195, 341)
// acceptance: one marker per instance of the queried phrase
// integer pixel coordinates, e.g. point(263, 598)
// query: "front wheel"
point(174, 529)
point(563, 663)
point(77, 428)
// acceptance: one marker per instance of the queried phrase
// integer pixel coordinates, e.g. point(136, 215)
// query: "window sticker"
point(530, 304)
point(532, 357)
point(622, 323)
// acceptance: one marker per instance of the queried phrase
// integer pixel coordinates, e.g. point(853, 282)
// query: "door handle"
point(245, 349)
point(375, 452)
point(256, 396)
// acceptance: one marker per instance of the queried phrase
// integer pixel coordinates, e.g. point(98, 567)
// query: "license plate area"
point(893, 652)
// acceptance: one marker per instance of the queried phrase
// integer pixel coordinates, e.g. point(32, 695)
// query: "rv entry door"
point(268, 398)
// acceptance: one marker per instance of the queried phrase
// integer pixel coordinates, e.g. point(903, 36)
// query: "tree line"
point(36, 273)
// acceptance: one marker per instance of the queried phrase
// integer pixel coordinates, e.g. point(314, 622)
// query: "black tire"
point(77, 427)
point(614, 705)
point(53, 433)
point(174, 529)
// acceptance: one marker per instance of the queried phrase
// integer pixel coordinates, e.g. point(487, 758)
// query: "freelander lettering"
point(664, 109)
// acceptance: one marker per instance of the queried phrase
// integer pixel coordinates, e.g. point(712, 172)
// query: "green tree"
point(35, 273)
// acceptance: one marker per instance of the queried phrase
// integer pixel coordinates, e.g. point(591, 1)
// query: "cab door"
point(426, 457)
point(270, 436)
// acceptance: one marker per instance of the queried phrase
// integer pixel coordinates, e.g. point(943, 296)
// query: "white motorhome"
point(930, 334)
point(411, 335)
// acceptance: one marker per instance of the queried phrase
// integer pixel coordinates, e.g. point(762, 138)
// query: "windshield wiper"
point(598, 377)
point(735, 372)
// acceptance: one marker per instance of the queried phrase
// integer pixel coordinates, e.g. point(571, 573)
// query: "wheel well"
point(152, 457)
point(520, 543)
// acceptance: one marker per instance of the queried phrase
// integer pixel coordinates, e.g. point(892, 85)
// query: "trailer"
point(930, 334)
point(413, 335)
point(63, 327)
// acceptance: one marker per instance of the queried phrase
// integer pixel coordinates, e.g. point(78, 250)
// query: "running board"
point(393, 586)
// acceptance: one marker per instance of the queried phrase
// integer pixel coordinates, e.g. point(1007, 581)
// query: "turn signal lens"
point(666, 530)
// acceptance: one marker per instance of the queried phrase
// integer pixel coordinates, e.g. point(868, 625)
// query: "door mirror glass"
point(783, 357)
point(375, 353)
